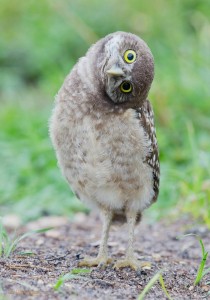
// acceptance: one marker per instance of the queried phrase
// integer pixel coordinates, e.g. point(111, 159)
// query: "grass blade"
point(20, 238)
point(62, 279)
point(202, 247)
point(148, 286)
point(10, 245)
point(73, 274)
point(26, 253)
point(201, 271)
point(163, 287)
point(42, 230)
point(6, 242)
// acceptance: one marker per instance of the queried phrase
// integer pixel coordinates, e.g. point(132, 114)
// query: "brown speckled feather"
point(146, 117)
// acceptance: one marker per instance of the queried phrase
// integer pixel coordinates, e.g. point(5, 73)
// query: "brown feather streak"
point(146, 118)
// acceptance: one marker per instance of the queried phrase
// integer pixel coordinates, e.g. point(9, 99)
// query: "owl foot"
point(131, 262)
point(99, 261)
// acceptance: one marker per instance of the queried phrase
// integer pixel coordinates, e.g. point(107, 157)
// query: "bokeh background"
point(40, 41)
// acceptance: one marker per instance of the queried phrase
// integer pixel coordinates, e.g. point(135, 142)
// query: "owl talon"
point(133, 263)
point(100, 262)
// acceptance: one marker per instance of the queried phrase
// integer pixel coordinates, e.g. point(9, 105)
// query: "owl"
point(102, 129)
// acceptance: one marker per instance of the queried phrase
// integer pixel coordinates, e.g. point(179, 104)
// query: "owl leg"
point(102, 258)
point(129, 260)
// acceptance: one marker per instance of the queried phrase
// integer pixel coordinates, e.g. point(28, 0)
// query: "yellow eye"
point(130, 56)
point(126, 87)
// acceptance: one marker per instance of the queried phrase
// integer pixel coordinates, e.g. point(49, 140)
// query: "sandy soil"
point(58, 251)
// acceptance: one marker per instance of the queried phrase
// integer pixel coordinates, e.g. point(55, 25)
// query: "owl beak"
point(115, 71)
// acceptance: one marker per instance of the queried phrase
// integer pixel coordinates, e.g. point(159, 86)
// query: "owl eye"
point(126, 87)
point(129, 56)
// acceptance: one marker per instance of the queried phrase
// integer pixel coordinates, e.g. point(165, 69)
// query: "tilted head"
point(123, 66)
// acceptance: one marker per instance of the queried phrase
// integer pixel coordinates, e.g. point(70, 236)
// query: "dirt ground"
point(58, 251)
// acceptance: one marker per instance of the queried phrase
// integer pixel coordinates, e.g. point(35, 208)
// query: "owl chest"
point(99, 154)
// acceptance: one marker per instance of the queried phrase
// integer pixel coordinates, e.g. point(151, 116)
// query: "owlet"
point(102, 129)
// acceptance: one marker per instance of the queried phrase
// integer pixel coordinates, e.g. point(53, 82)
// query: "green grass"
point(9, 244)
point(31, 183)
point(150, 284)
point(202, 270)
point(75, 273)
point(41, 41)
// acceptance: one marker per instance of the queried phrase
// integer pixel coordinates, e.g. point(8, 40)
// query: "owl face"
point(127, 69)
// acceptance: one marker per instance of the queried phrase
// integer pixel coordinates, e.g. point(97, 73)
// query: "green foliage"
point(194, 183)
point(41, 41)
point(71, 275)
point(8, 245)
point(31, 183)
point(202, 270)
point(153, 280)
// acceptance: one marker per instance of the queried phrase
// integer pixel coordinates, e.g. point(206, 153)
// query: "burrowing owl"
point(103, 132)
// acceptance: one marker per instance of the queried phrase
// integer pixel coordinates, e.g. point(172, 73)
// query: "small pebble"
point(78, 256)
point(141, 272)
point(205, 288)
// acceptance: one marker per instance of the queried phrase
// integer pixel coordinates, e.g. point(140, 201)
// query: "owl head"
point(125, 67)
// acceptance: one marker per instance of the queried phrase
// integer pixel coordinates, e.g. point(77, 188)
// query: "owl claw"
point(102, 265)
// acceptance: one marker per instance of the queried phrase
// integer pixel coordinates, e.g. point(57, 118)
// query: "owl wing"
point(146, 117)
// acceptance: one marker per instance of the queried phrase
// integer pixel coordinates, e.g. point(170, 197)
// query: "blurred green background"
point(39, 43)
